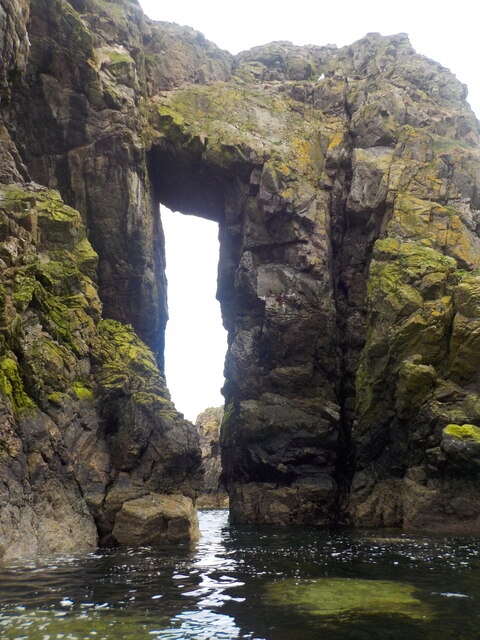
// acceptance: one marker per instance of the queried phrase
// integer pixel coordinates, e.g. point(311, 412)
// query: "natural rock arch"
point(346, 186)
point(308, 182)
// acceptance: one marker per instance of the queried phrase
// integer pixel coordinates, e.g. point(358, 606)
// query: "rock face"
point(156, 519)
point(349, 220)
point(87, 422)
point(346, 186)
point(213, 494)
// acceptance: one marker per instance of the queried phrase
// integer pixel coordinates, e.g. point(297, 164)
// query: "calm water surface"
point(255, 583)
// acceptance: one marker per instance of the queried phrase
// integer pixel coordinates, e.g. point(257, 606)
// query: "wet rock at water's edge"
point(157, 520)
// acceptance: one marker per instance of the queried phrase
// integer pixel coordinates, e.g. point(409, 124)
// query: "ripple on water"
point(251, 583)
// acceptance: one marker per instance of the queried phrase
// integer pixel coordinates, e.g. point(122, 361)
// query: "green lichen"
point(57, 397)
point(386, 280)
point(24, 289)
point(151, 59)
point(126, 363)
point(59, 297)
point(121, 66)
point(151, 401)
point(51, 206)
point(86, 258)
point(467, 432)
point(16, 199)
point(415, 381)
point(117, 57)
point(236, 123)
point(410, 309)
point(64, 324)
point(82, 391)
point(11, 383)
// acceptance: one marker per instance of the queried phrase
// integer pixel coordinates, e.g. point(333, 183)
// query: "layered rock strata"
point(346, 187)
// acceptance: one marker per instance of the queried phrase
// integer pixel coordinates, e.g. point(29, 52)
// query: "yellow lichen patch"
point(469, 432)
point(302, 151)
point(434, 225)
point(169, 115)
point(82, 392)
point(11, 384)
point(336, 140)
point(287, 193)
point(283, 168)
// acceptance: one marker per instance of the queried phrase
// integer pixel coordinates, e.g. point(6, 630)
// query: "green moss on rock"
point(82, 391)
point(126, 363)
point(11, 383)
point(466, 432)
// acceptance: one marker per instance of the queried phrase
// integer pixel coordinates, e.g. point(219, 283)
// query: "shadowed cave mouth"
point(195, 340)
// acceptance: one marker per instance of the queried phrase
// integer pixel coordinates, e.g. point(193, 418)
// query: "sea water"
point(255, 583)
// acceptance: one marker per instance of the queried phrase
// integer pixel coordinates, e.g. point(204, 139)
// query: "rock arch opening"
point(280, 433)
point(195, 340)
point(348, 210)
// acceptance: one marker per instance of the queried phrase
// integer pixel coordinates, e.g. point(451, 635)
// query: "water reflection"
point(215, 569)
point(251, 583)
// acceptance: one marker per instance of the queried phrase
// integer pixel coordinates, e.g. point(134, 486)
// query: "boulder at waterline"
point(156, 519)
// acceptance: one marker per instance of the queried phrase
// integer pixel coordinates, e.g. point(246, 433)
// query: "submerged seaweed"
point(336, 596)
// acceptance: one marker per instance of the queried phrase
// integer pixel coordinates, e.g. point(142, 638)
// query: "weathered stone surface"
point(13, 42)
point(213, 494)
point(331, 352)
point(346, 186)
point(86, 420)
point(156, 519)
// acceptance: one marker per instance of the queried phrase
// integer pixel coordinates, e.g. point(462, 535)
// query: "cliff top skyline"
point(447, 36)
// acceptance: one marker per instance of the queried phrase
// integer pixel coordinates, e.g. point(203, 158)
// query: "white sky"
point(195, 341)
point(446, 32)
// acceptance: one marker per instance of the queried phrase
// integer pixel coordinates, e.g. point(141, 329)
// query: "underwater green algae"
point(340, 596)
point(98, 625)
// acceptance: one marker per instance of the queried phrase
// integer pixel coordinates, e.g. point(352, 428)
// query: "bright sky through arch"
point(195, 341)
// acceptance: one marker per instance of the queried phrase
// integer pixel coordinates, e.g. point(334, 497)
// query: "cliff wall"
point(346, 186)
point(345, 183)
point(86, 420)
point(213, 494)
